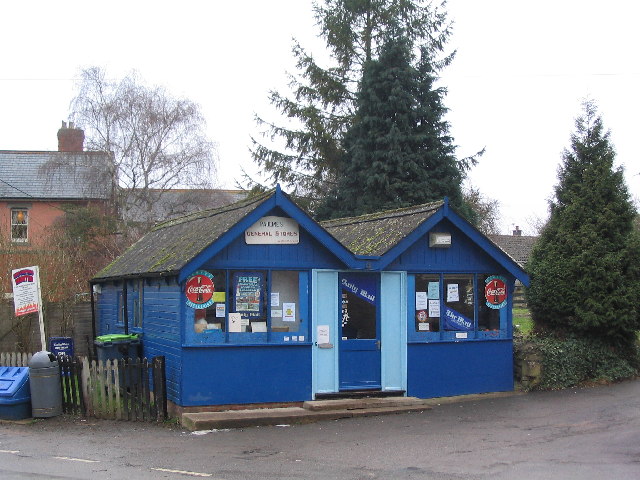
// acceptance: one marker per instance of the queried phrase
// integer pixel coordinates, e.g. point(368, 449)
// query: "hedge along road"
point(587, 433)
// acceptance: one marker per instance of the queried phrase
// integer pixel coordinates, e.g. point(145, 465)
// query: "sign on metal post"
point(27, 296)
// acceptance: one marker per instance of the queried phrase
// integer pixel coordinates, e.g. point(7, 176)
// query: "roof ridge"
point(371, 217)
point(212, 212)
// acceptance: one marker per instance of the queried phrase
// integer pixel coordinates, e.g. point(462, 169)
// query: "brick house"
point(35, 187)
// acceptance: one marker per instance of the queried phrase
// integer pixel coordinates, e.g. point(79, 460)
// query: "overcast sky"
point(515, 87)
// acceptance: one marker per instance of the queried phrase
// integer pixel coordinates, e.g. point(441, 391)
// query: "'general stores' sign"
point(273, 230)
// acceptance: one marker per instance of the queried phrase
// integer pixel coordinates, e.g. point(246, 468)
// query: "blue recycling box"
point(15, 394)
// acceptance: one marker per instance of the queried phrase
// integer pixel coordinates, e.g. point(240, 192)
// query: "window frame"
point(442, 335)
point(14, 225)
point(270, 337)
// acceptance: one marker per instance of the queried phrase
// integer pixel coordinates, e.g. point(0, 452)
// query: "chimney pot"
point(517, 232)
point(70, 139)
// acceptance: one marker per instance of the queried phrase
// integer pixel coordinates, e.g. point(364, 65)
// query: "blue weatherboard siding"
point(161, 325)
point(246, 374)
point(458, 368)
point(463, 255)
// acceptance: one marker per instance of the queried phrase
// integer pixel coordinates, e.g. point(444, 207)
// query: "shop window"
point(458, 306)
point(427, 303)
point(19, 225)
point(266, 303)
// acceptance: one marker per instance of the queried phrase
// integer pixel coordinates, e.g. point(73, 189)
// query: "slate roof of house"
point(54, 175)
point(172, 244)
point(518, 247)
point(175, 203)
point(376, 233)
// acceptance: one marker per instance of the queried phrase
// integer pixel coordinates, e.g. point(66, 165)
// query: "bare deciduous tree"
point(158, 141)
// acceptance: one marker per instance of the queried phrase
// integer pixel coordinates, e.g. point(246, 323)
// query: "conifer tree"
point(398, 152)
point(304, 149)
point(585, 268)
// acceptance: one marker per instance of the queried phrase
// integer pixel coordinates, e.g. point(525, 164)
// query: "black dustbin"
point(44, 381)
point(117, 346)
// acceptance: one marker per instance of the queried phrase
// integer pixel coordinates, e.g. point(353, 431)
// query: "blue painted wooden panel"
point(463, 255)
point(107, 310)
point(161, 326)
point(240, 375)
point(393, 327)
point(309, 253)
point(324, 290)
point(459, 368)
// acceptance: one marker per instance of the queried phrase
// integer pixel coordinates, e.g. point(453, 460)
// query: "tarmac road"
point(588, 433)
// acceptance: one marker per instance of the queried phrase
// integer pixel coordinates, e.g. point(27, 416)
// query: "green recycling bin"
point(118, 346)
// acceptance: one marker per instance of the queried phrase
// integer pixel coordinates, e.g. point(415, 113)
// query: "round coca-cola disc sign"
point(495, 291)
point(199, 290)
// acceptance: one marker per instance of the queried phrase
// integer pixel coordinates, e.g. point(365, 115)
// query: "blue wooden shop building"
point(256, 302)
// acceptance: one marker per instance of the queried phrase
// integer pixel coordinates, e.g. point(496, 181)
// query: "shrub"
point(567, 362)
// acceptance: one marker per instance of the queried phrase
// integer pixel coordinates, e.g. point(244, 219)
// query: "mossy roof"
point(172, 244)
point(376, 233)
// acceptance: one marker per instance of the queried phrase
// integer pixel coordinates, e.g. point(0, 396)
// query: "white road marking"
point(71, 459)
point(183, 472)
point(9, 451)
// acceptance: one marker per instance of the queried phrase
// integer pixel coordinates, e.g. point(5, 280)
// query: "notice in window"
point(434, 308)
point(453, 294)
point(288, 312)
point(433, 291)
point(275, 299)
point(235, 322)
point(248, 290)
point(220, 310)
point(421, 300)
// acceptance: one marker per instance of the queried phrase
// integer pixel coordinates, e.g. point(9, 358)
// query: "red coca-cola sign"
point(495, 291)
point(200, 289)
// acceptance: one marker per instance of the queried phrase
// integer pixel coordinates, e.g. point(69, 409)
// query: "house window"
point(19, 225)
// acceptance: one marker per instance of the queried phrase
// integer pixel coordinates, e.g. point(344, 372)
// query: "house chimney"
point(517, 232)
point(70, 139)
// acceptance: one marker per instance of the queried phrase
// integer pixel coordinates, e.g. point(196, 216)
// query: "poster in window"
point(248, 293)
point(288, 312)
point(433, 292)
point(453, 295)
point(421, 300)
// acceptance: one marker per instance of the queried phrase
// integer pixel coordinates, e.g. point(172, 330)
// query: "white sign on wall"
point(273, 231)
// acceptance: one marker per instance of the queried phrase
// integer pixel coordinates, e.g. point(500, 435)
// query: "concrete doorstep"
point(318, 410)
point(311, 411)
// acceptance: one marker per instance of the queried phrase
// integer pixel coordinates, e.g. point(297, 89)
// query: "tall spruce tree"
point(585, 268)
point(398, 152)
point(304, 151)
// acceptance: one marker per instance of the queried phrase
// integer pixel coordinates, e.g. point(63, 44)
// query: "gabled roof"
point(517, 247)
point(377, 233)
point(54, 175)
point(183, 244)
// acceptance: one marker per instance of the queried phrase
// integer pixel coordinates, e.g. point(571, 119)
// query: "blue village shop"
point(256, 303)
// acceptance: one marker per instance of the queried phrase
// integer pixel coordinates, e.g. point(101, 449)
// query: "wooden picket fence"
point(15, 359)
point(125, 389)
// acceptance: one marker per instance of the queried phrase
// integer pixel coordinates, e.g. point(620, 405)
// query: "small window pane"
point(427, 303)
point(488, 318)
point(213, 317)
point(19, 225)
point(459, 303)
point(284, 301)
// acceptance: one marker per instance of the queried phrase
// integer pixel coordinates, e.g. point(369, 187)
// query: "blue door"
point(359, 331)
